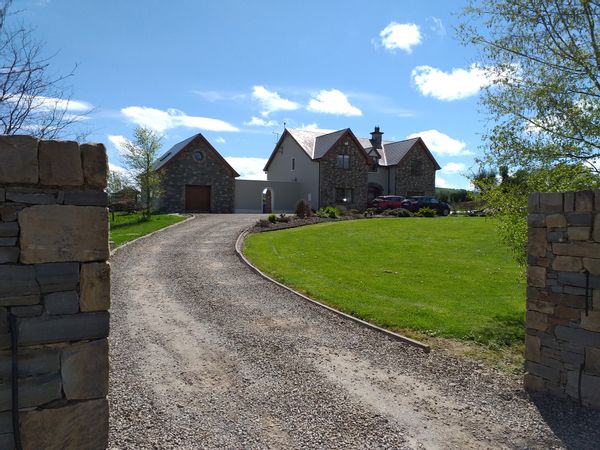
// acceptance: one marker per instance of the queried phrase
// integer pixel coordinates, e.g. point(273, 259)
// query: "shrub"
point(426, 212)
point(272, 218)
point(283, 218)
point(398, 212)
point(262, 223)
point(327, 212)
point(303, 209)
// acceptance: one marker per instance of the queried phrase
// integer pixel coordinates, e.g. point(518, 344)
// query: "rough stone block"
point(22, 300)
point(551, 202)
point(592, 265)
point(536, 320)
point(27, 311)
point(32, 362)
point(3, 321)
point(82, 425)
point(74, 327)
point(596, 232)
point(17, 281)
point(592, 361)
point(85, 198)
point(567, 264)
point(573, 290)
point(60, 163)
point(534, 383)
point(533, 202)
point(580, 219)
point(31, 197)
point(551, 374)
point(5, 423)
point(8, 241)
point(84, 370)
point(579, 233)
point(7, 441)
point(9, 211)
point(18, 159)
point(590, 390)
point(9, 229)
point(540, 306)
point(95, 287)
point(536, 220)
point(95, 164)
point(577, 337)
point(536, 276)
point(564, 312)
point(569, 199)
point(584, 200)
point(572, 301)
point(54, 277)
point(33, 391)
point(2, 195)
point(596, 299)
point(579, 280)
point(585, 249)
point(597, 201)
point(572, 358)
point(61, 303)
point(57, 233)
point(9, 255)
point(591, 321)
point(557, 236)
point(532, 348)
point(537, 242)
point(556, 221)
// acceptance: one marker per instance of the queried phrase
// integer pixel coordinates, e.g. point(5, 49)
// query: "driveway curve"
point(207, 354)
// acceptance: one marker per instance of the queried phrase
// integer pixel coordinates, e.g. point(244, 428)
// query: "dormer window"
point(374, 164)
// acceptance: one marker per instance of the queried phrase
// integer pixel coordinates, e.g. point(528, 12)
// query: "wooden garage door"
point(197, 198)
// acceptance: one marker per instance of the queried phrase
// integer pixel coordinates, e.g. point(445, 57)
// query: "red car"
point(387, 202)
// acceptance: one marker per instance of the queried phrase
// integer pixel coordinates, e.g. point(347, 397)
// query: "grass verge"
point(446, 278)
point(127, 227)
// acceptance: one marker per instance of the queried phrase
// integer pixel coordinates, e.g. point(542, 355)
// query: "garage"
point(197, 198)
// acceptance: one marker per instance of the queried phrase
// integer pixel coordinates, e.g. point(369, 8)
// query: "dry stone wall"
point(55, 283)
point(563, 295)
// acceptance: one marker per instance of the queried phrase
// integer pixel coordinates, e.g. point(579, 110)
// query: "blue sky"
point(236, 71)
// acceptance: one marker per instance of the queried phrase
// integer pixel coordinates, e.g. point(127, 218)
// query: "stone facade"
point(185, 169)
point(55, 283)
point(355, 177)
point(415, 174)
point(562, 350)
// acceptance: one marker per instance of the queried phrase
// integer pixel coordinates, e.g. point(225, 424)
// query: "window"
point(343, 195)
point(293, 164)
point(198, 156)
point(416, 168)
point(374, 164)
point(343, 161)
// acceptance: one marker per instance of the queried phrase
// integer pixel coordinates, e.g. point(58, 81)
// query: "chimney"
point(376, 138)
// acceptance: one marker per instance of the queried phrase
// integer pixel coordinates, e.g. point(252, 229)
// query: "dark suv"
point(414, 204)
point(387, 202)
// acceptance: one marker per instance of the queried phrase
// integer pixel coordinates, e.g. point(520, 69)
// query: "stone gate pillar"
point(54, 294)
point(563, 296)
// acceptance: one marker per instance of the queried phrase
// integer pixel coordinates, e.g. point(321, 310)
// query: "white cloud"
point(120, 170)
point(271, 101)
point(220, 140)
point(160, 121)
point(442, 144)
point(219, 96)
point(248, 168)
point(117, 141)
point(314, 127)
point(258, 122)
point(437, 26)
point(442, 182)
point(403, 36)
point(456, 85)
point(453, 167)
point(333, 101)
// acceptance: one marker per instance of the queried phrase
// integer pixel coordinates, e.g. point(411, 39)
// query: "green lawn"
point(448, 277)
point(127, 227)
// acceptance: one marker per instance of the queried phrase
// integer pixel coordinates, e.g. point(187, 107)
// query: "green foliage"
point(303, 209)
point(453, 195)
point(398, 212)
point(328, 212)
point(126, 227)
point(272, 218)
point(283, 218)
point(448, 277)
point(139, 155)
point(425, 212)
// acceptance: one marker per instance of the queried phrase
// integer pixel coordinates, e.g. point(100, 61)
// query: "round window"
point(198, 156)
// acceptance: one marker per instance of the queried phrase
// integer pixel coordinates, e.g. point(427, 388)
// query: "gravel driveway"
point(207, 354)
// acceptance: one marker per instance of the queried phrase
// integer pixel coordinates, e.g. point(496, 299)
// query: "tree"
point(139, 156)
point(32, 99)
point(542, 58)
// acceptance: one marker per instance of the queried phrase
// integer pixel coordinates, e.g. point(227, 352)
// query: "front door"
point(197, 198)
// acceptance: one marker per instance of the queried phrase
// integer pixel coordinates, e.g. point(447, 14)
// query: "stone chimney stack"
point(376, 138)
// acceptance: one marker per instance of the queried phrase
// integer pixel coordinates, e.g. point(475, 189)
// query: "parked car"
point(413, 204)
point(387, 202)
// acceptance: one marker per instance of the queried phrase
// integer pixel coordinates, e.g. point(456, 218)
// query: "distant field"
point(127, 227)
point(447, 277)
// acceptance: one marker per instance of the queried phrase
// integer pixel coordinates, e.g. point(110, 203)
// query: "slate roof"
point(173, 151)
point(317, 142)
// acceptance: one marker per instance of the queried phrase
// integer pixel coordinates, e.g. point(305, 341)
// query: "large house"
point(337, 168)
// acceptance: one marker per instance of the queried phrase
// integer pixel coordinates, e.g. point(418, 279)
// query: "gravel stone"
point(205, 353)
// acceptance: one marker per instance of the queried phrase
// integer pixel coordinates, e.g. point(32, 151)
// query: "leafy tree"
point(33, 100)
point(139, 156)
point(542, 58)
point(116, 182)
